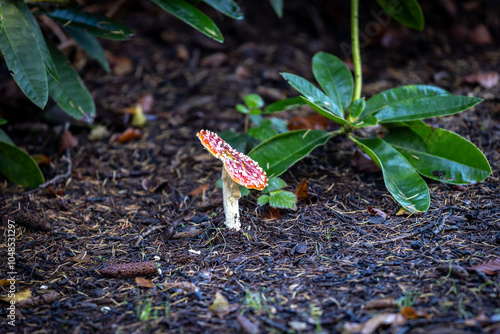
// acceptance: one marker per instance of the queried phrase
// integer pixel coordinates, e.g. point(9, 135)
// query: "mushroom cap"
point(242, 169)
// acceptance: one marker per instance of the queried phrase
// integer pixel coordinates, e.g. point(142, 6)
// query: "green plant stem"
point(356, 57)
point(337, 132)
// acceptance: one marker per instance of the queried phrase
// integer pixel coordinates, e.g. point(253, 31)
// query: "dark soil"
point(325, 267)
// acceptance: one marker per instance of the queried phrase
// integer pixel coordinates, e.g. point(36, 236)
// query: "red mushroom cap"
point(242, 169)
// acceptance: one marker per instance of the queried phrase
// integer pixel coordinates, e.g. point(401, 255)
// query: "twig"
point(56, 178)
point(148, 231)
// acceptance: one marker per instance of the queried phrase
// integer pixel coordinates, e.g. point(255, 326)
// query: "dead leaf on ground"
point(272, 213)
point(18, 296)
point(491, 267)
point(390, 319)
point(378, 212)
point(188, 287)
point(98, 132)
point(67, 141)
point(480, 35)
point(83, 257)
point(246, 325)
point(362, 162)
point(41, 159)
point(220, 306)
point(200, 190)
point(119, 65)
point(381, 303)
point(412, 314)
point(311, 122)
point(214, 60)
point(302, 190)
point(144, 282)
point(6, 281)
point(485, 79)
point(128, 135)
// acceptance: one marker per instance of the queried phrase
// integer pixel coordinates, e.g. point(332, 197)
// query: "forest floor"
point(330, 266)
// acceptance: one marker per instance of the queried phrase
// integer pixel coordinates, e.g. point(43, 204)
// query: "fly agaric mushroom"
point(238, 169)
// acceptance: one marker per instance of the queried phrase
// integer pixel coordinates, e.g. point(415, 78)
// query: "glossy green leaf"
point(325, 112)
point(264, 131)
point(280, 125)
point(407, 12)
point(283, 105)
point(273, 184)
point(278, 7)
point(40, 40)
point(401, 179)
point(70, 93)
point(192, 16)
point(283, 199)
point(242, 109)
point(368, 121)
point(439, 154)
point(5, 138)
point(335, 79)
point(313, 94)
point(357, 108)
point(426, 107)
point(278, 153)
point(97, 25)
point(255, 111)
point(397, 95)
point(227, 7)
point(262, 200)
point(90, 44)
point(24, 59)
point(18, 166)
point(253, 101)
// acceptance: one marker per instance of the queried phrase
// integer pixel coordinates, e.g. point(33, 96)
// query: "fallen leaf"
point(18, 296)
point(214, 60)
point(143, 282)
point(409, 313)
point(132, 269)
point(129, 134)
point(200, 190)
point(188, 287)
point(46, 297)
point(362, 162)
point(381, 303)
point(392, 319)
point(403, 212)
point(272, 213)
point(98, 132)
point(67, 141)
point(220, 306)
point(485, 79)
point(302, 192)
point(312, 122)
point(138, 118)
point(246, 325)
point(83, 257)
point(491, 267)
point(120, 65)
point(7, 281)
point(41, 159)
point(480, 35)
point(378, 212)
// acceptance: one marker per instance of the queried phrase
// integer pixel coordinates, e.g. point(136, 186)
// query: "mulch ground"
point(330, 266)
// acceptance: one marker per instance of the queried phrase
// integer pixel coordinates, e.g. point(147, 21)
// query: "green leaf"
point(313, 94)
point(3, 121)
point(407, 12)
point(18, 166)
point(255, 111)
point(227, 7)
point(253, 101)
point(280, 125)
point(439, 154)
point(426, 107)
point(278, 7)
point(401, 179)
point(397, 95)
point(242, 109)
point(283, 105)
point(24, 59)
point(5, 138)
point(368, 121)
point(325, 112)
point(90, 44)
point(335, 79)
point(40, 41)
point(264, 131)
point(357, 108)
point(278, 153)
point(192, 16)
point(70, 94)
point(283, 199)
point(263, 199)
point(97, 25)
point(237, 140)
point(273, 184)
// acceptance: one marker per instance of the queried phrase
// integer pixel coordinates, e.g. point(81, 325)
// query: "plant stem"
point(338, 132)
point(356, 57)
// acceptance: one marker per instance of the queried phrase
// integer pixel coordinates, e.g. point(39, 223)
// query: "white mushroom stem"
point(231, 194)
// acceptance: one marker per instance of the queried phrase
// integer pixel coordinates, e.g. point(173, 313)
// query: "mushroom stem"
point(231, 194)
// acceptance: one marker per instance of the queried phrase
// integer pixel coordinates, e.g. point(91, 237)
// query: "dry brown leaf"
point(120, 65)
point(67, 141)
point(480, 35)
point(362, 162)
point(312, 122)
point(83, 257)
point(188, 287)
point(214, 60)
point(272, 213)
point(392, 319)
point(8, 282)
point(381, 303)
point(491, 267)
point(378, 212)
point(302, 190)
point(200, 190)
point(144, 282)
point(18, 296)
point(220, 306)
point(41, 159)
